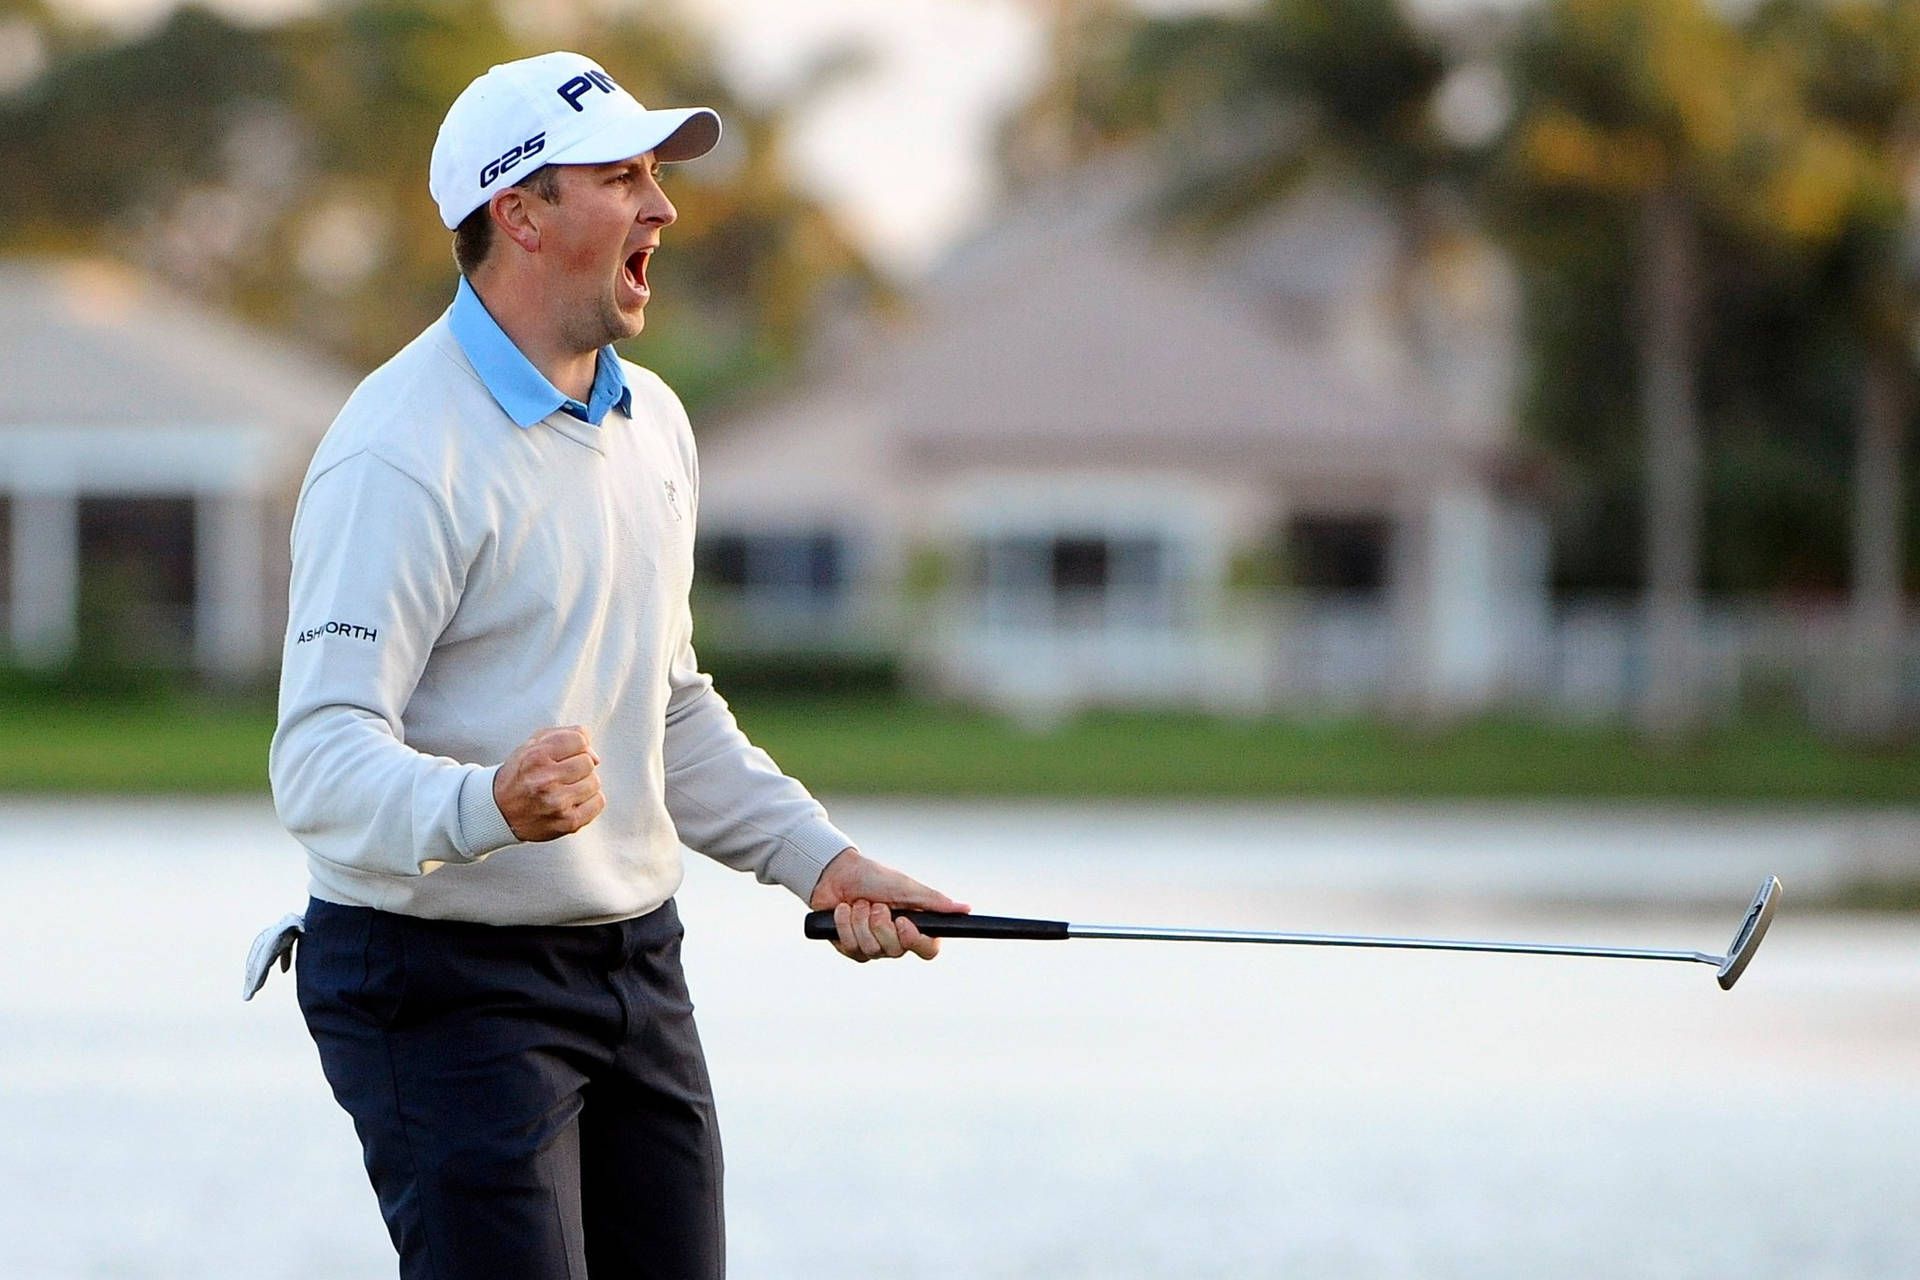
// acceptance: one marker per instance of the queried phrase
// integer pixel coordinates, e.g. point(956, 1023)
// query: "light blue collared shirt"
point(519, 388)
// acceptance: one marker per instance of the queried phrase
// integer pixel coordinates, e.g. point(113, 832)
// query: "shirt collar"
point(521, 390)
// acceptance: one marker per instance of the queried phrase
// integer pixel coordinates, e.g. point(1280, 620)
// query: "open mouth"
point(636, 270)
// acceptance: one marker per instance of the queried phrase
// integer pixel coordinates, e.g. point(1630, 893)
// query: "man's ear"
point(517, 216)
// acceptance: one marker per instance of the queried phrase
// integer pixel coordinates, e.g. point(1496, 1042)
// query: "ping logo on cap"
point(583, 84)
point(495, 168)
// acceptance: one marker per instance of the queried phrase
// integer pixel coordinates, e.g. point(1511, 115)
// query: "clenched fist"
point(549, 787)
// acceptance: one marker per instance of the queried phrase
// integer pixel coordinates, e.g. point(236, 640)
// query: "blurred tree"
point(27, 34)
point(1859, 69)
point(1657, 123)
point(109, 132)
point(1249, 105)
point(282, 170)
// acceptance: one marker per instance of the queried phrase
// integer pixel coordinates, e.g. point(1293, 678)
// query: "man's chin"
point(621, 322)
point(633, 315)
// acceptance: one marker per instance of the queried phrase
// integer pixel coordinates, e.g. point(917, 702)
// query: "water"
point(1084, 1109)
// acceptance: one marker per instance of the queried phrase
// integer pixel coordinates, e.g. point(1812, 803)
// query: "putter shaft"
point(1753, 927)
point(1398, 944)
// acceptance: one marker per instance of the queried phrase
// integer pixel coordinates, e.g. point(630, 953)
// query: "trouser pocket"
point(351, 965)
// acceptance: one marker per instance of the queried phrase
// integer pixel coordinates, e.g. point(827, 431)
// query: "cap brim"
point(681, 133)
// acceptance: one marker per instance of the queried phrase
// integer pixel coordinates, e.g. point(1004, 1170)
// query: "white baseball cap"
point(558, 108)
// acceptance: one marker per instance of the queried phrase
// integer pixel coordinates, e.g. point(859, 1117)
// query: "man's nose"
point(659, 211)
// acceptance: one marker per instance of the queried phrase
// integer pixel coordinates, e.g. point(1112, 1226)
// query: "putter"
point(935, 924)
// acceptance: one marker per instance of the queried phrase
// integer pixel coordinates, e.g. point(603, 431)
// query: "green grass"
point(881, 746)
point(150, 745)
point(877, 745)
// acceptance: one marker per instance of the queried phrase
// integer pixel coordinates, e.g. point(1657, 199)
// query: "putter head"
point(1752, 929)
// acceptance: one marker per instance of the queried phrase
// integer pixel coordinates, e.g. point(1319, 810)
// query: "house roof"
point(88, 344)
point(1080, 329)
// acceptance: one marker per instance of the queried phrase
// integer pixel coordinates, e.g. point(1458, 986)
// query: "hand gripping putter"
point(935, 924)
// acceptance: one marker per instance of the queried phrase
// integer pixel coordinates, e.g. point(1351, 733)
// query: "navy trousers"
point(532, 1102)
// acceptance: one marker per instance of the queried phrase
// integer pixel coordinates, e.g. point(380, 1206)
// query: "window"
point(810, 565)
point(1338, 553)
point(1078, 577)
point(136, 580)
point(721, 560)
point(1079, 564)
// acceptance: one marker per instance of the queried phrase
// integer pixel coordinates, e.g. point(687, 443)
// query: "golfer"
point(494, 735)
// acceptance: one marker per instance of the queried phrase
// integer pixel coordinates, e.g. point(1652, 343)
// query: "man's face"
point(595, 241)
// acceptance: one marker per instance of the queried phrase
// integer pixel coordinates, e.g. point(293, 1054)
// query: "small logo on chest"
point(673, 501)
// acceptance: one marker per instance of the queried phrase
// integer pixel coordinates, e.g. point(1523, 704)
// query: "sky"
point(903, 151)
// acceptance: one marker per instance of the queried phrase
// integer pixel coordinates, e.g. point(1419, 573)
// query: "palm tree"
point(1859, 64)
point(1661, 113)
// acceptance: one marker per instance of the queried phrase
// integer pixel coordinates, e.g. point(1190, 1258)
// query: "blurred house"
point(150, 452)
point(1098, 463)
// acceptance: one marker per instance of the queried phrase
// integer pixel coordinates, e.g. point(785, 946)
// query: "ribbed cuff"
point(482, 827)
point(804, 854)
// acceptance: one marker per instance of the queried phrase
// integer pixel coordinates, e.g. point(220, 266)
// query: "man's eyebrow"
point(614, 168)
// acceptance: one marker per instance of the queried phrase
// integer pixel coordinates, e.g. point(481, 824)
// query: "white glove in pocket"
point(274, 943)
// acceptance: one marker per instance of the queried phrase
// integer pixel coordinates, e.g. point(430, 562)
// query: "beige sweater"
point(460, 582)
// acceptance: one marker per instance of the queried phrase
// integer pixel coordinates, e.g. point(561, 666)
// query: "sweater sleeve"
point(727, 797)
point(376, 578)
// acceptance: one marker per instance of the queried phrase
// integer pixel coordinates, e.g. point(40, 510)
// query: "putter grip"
point(945, 924)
